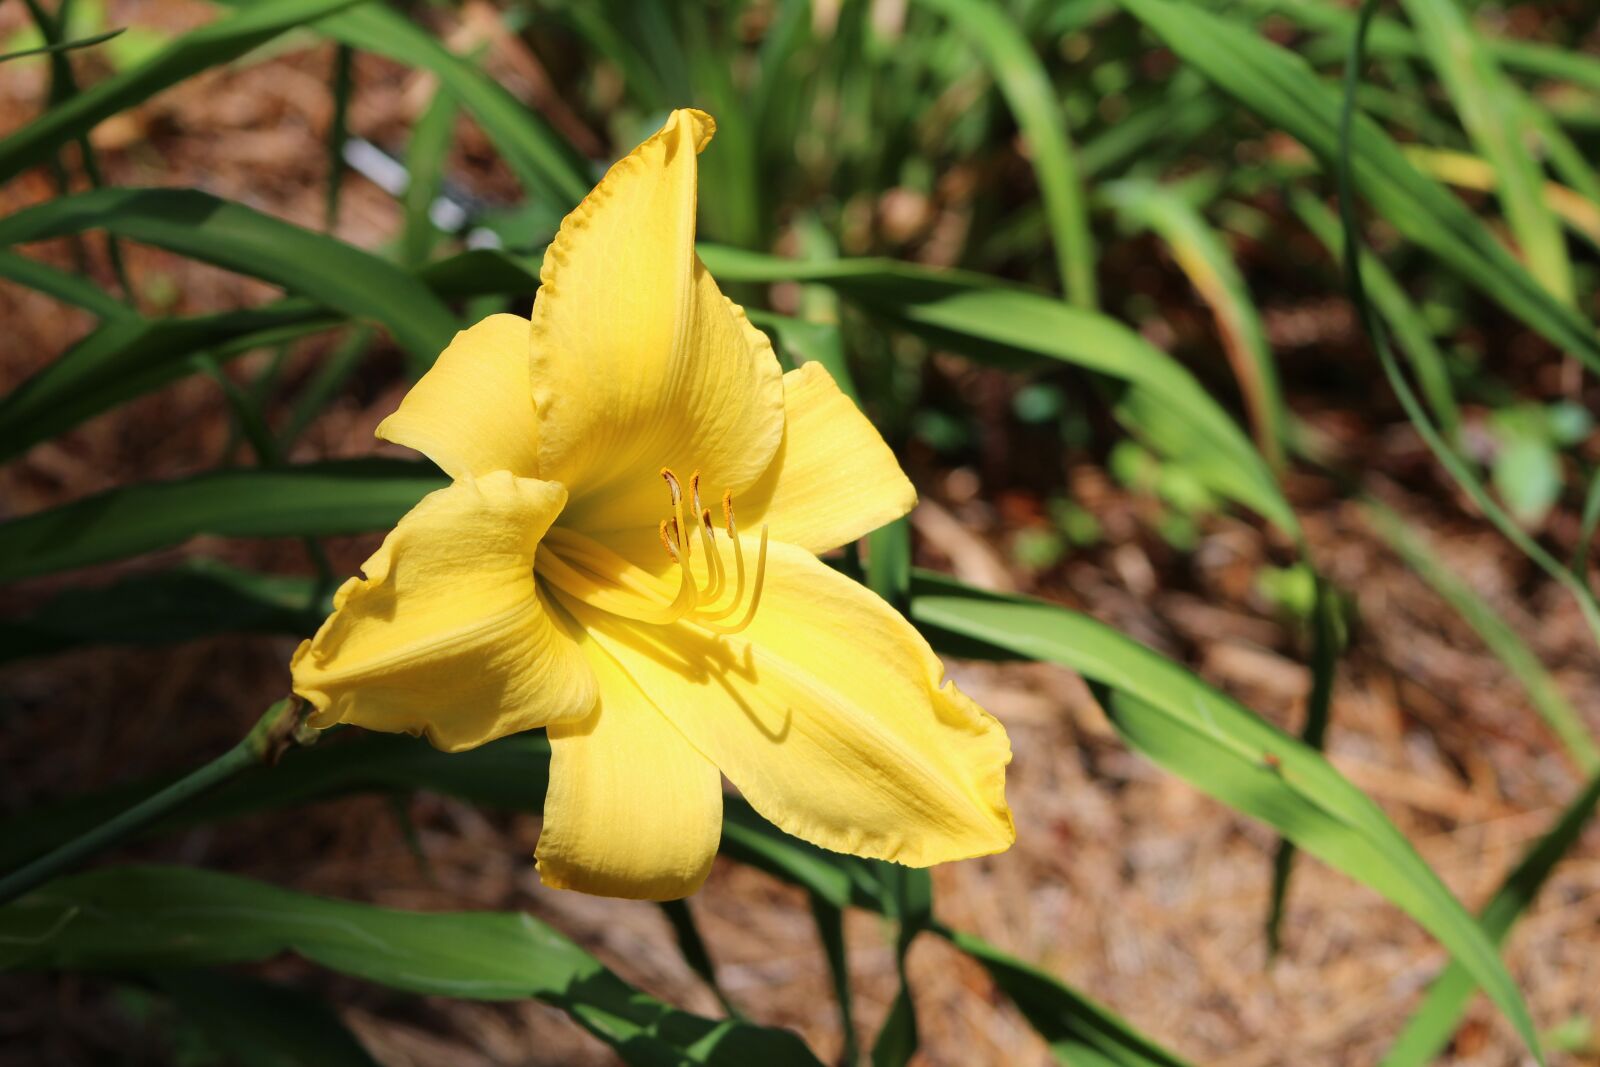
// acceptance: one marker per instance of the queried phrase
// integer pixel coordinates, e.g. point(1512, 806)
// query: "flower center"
point(600, 578)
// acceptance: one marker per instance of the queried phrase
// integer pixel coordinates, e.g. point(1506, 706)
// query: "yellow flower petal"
point(448, 635)
point(828, 716)
point(833, 479)
point(472, 413)
point(638, 361)
point(632, 810)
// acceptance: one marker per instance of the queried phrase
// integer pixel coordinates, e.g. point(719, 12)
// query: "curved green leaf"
point(130, 355)
point(137, 916)
point(209, 46)
point(1032, 99)
point(1430, 1028)
point(512, 774)
point(1224, 749)
point(1278, 86)
point(315, 500)
point(1209, 265)
point(541, 158)
point(329, 272)
point(1162, 403)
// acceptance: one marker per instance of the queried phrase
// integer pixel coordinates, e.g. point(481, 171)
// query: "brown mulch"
point(1128, 883)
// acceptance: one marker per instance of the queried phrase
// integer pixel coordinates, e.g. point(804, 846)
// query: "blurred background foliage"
point(1193, 489)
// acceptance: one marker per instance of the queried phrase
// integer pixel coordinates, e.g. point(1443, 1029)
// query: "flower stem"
point(272, 733)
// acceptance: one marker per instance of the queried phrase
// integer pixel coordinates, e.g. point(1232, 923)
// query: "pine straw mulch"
point(1126, 882)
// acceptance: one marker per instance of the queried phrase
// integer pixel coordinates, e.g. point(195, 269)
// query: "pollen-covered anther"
point(675, 537)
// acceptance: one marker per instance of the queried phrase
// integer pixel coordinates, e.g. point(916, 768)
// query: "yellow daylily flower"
point(573, 576)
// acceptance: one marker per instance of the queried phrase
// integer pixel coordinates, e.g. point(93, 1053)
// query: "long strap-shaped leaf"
point(1224, 749)
point(314, 500)
point(1032, 99)
point(541, 158)
point(130, 355)
point(1279, 87)
point(1430, 1028)
point(181, 917)
point(1205, 259)
point(512, 774)
point(329, 272)
point(220, 42)
point(1161, 402)
point(1493, 109)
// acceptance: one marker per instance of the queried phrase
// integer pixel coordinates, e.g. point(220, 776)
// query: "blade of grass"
point(693, 948)
point(64, 46)
point(68, 288)
point(1032, 99)
point(211, 45)
point(512, 774)
point(829, 919)
point(425, 159)
point(1411, 330)
point(1492, 109)
point(189, 222)
point(1280, 88)
point(338, 130)
point(174, 916)
point(1210, 268)
point(129, 355)
point(199, 598)
point(1220, 747)
point(1429, 1029)
point(1497, 634)
point(314, 500)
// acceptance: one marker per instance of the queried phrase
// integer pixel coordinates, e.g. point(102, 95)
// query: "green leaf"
point(125, 359)
point(1079, 1032)
point(1499, 635)
point(315, 500)
point(512, 774)
point(69, 288)
point(200, 598)
point(693, 949)
point(1410, 329)
point(329, 272)
point(541, 158)
point(1205, 259)
point(130, 355)
point(1278, 86)
point(63, 46)
point(1493, 110)
point(260, 1024)
point(426, 156)
point(1032, 99)
point(1430, 1028)
point(122, 917)
point(1161, 402)
point(211, 45)
point(1222, 748)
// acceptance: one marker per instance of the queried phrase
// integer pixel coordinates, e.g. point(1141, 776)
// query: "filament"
point(599, 577)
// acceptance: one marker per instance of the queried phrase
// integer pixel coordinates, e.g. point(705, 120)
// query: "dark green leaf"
point(123, 917)
point(315, 500)
point(331, 273)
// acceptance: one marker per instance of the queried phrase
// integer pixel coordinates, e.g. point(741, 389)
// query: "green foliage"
point(822, 125)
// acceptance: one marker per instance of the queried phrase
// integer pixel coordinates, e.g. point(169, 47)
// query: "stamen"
point(677, 509)
point(708, 538)
point(755, 595)
point(615, 600)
